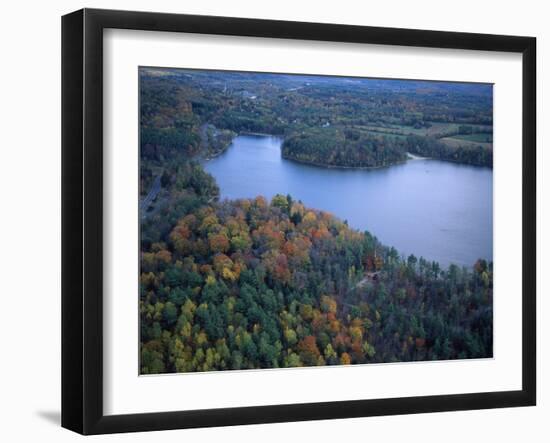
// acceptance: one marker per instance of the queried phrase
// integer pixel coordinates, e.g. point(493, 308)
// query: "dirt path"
point(150, 197)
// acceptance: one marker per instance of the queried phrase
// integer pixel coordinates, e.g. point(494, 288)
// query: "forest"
point(252, 283)
point(256, 284)
point(347, 148)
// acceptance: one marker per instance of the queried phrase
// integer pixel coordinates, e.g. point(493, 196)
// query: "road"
point(150, 197)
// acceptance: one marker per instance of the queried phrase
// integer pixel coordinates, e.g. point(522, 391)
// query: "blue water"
point(439, 210)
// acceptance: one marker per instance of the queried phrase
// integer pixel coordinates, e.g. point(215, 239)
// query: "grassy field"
point(479, 137)
point(445, 132)
point(457, 142)
point(436, 129)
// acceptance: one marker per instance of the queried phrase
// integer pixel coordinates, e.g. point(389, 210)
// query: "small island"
point(343, 148)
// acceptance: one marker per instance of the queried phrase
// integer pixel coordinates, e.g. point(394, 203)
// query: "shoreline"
point(447, 160)
point(410, 156)
point(443, 263)
point(417, 157)
point(217, 154)
point(260, 134)
point(321, 165)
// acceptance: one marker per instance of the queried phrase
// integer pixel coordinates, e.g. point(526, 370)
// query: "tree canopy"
point(239, 285)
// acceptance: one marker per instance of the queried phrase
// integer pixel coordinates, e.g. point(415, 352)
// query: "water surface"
point(439, 210)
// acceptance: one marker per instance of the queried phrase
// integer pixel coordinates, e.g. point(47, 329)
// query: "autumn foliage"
point(257, 284)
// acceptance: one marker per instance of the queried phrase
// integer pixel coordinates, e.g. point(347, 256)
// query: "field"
point(456, 142)
point(481, 133)
point(478, 137)
point(452, 135)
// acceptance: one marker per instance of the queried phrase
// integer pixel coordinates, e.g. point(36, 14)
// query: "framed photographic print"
point(270, 221)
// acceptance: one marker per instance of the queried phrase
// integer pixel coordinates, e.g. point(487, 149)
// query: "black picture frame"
point(82, 218)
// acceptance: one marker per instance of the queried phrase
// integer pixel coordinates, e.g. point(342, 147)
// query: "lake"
point(439, 210)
